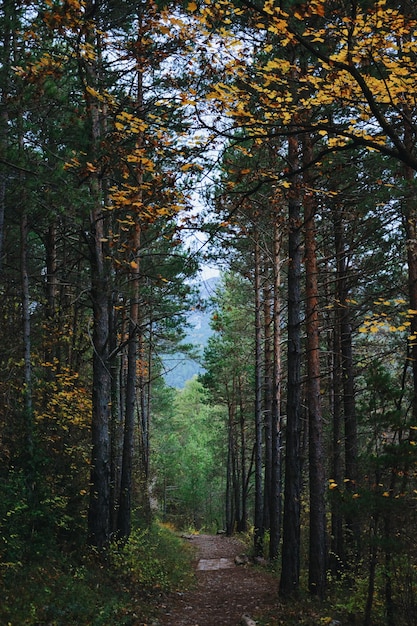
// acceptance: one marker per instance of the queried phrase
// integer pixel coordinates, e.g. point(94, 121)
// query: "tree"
point(189, 462)
point(290, 571)
point(318, 548)
point(229, 378)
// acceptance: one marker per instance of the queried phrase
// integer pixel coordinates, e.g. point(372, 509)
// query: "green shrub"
point(92, 589)
point(153, 558)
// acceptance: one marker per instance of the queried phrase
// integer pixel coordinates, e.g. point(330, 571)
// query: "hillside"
point(179, 367)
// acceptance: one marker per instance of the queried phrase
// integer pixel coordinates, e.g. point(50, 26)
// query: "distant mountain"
point(180, 368)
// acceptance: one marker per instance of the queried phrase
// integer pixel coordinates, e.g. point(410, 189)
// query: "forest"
point(140, 143)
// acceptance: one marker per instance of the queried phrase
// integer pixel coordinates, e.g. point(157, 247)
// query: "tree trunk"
point(243, 477)
point(344, 330)
point(6, 61)
point(290, 573)
point(337, 543)
point(373, 558)
point(317, 552)
point(116, 426)
point(258, 515)
point(268, 402)
point(125, 502)
point(27, 364)
point(144, 383)
point(409, 214)
point(276, 427)
point(229, 483)
point(99, 509)
point(51, 270)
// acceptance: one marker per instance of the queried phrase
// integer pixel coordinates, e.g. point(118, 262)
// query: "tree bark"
point(99, 508)
point(27, 364)
point(290, 574)
point(243, 522)
point(344, 331)
point(337, 541)
point(5, 69)
point(258, 515)
point(268, 394)
point(276, 426)
point(229, 483)
point(409, 216)
point(125, 502)
point(317, 551)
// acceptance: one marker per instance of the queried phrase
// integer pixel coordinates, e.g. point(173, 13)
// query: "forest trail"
point(224, 591)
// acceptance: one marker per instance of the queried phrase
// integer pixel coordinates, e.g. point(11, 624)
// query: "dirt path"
point(224, 592)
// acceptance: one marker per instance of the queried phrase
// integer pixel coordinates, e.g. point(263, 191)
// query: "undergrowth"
point(121, 587)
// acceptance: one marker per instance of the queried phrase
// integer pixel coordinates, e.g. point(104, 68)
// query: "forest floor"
point(224, 592)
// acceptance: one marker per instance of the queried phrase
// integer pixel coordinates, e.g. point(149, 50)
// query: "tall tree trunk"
point(242, 527)
point(373, 558)
point(409, 214)
point(117, 409)
point(145, 398)
point(268, 404)
point(276, 429)
point(337, 542)
point(290, 573)
point(51, 269)
point(258, 515)
point(317, 551)
point(99, 508)
point(229, 509)
point(27, 364)
point(9, 25)
point(344, 330)
point(235, 459)
point(125, 502)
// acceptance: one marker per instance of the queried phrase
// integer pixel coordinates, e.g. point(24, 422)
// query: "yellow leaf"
point(192, 6)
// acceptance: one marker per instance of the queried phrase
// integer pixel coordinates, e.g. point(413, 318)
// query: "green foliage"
point(188, 456)
point(152, 559)
point(33, 521)
point(87, 590)
point(60, 593)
